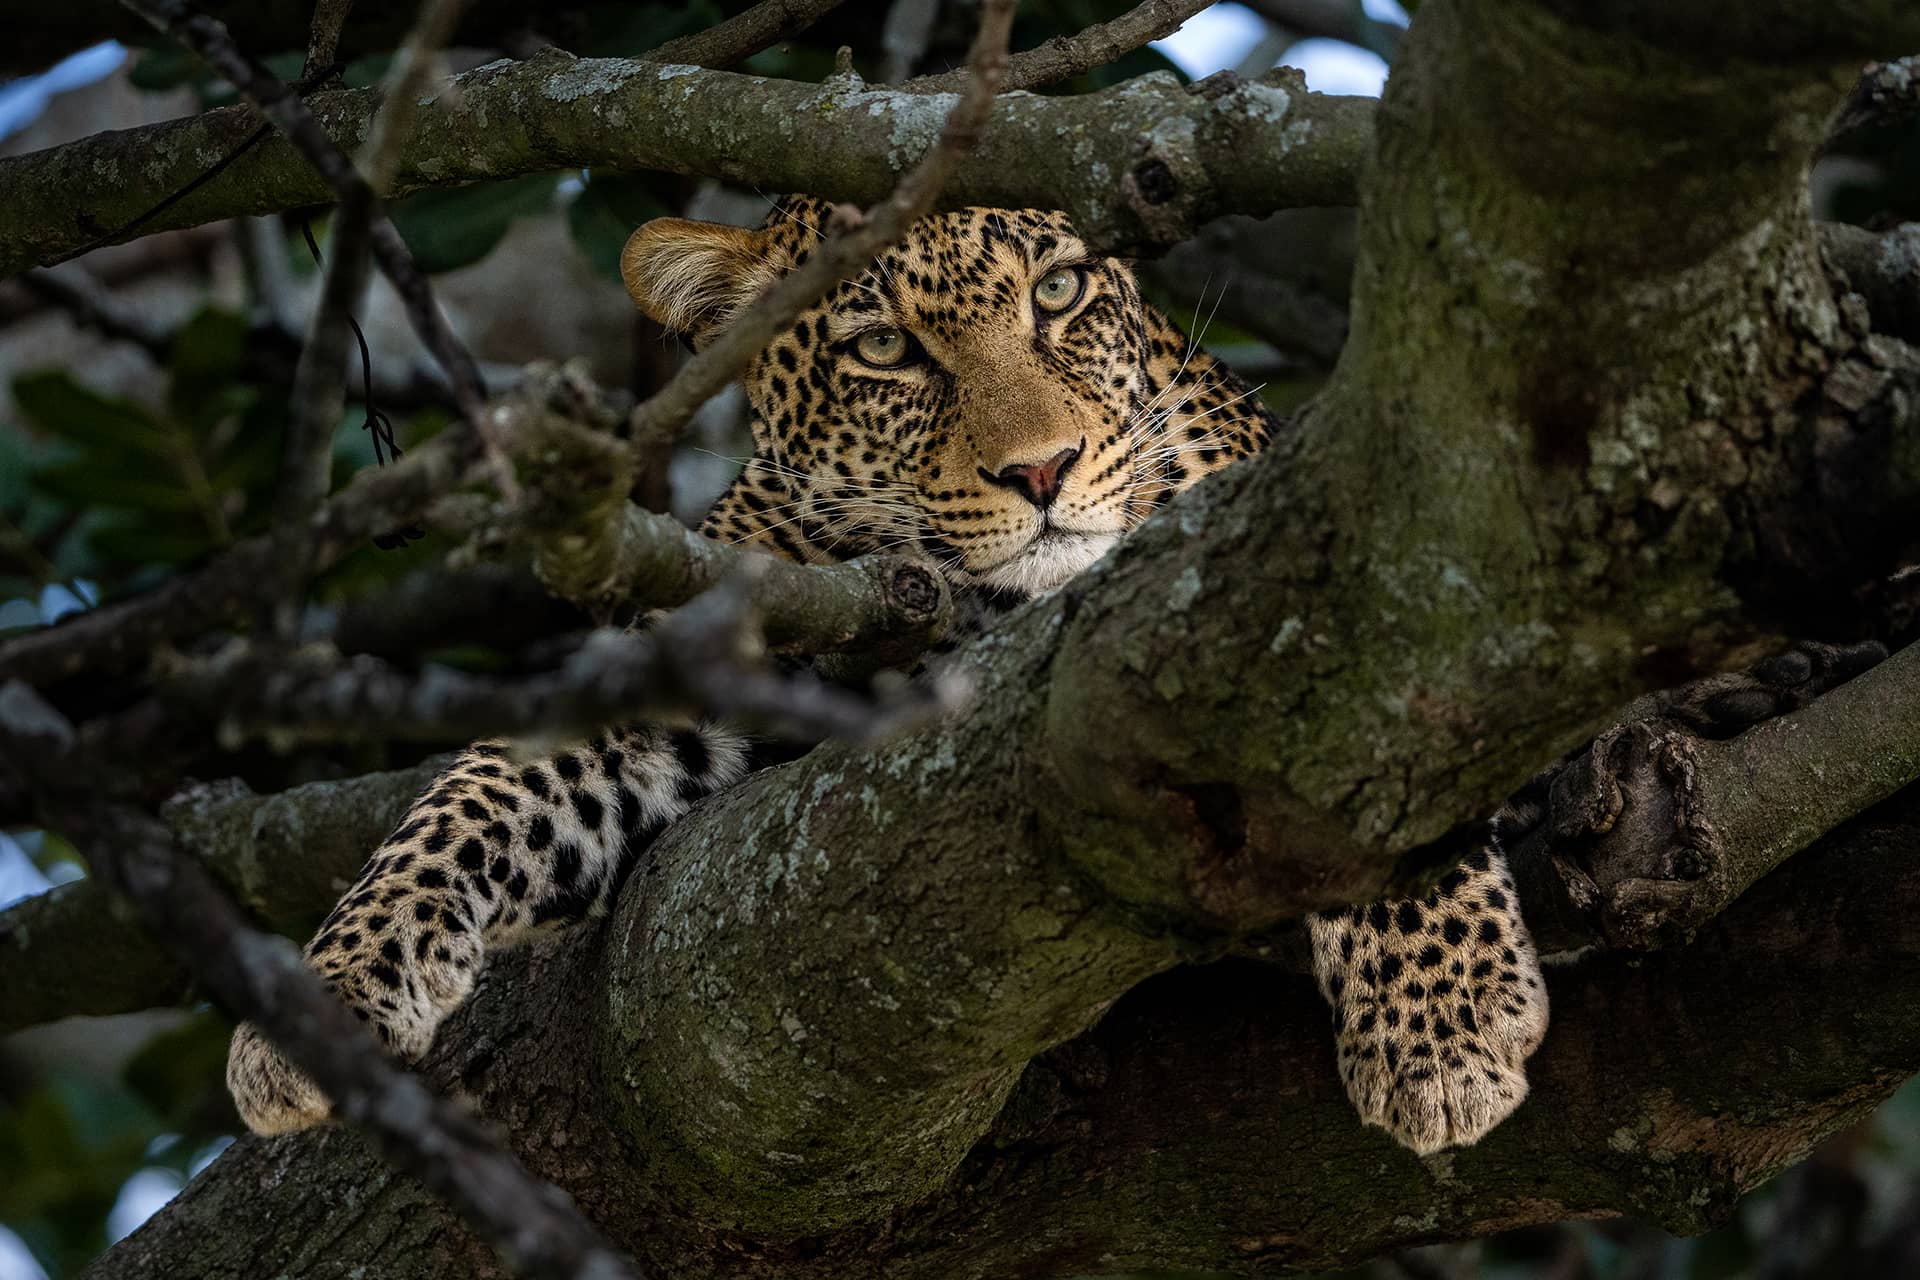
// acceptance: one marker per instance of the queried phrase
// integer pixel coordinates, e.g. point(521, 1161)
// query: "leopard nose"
point(1039, 482)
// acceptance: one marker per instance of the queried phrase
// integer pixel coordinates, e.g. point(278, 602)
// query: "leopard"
point(993, 395)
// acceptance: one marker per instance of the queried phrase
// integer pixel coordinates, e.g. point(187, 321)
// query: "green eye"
point(1058, 290)
point(882, 348)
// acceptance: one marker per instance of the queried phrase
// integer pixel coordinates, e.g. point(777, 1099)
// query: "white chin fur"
point(1047, 562)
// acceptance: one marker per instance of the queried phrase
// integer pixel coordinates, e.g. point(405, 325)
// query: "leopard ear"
point(693, 277)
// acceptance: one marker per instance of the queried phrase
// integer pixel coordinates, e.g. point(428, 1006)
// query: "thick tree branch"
point(256, 976)
point(1884, 269)
point(1149, 160)
point(284, 857)
point(1148, 1144)
point(1654, 830)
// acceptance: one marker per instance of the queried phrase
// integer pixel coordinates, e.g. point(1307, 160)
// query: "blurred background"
point(143, 389)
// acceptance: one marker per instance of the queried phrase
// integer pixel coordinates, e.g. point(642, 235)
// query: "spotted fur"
point(992, 395)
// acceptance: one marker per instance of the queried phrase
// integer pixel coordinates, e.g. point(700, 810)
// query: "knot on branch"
point(1626, 836)
point(1648, 831)
point(914, 591)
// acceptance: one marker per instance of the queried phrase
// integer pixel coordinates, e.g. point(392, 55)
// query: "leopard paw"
point(272, 1095)
point(1437, 1003)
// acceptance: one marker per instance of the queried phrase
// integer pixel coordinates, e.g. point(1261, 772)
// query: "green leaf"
point(605, 213)
point(174, 1072)
point(139, 543)
point(454, 227)
point(61, 407)
point(168, 66)
point(207, 356)
point(88, 483)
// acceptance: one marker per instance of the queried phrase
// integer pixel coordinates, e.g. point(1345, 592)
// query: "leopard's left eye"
point(1059, 289)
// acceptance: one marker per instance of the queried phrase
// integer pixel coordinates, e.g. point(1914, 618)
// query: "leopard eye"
point(882, 348)
point(1059, 289)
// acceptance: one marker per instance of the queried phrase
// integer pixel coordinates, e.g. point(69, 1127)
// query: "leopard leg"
point(492, 851)
point(1437, 1003)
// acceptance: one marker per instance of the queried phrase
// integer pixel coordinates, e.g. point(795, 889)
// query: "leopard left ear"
point(694, 277)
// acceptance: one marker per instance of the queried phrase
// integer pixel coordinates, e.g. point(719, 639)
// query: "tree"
point(1613, 412)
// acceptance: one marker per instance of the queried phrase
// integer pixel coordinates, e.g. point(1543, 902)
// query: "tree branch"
point(285, 857)
point(295, 120)
point(704, 660)
point(1147, 1144)
point(255, 976)
point(1064, 57)
point(1654, 830)
point(1249, 148)
point(744, 34)
point(1884, 269)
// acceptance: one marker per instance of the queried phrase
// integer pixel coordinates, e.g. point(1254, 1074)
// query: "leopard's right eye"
point(883, 348)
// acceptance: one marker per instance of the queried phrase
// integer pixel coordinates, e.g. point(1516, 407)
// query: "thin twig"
point(904, 37)
point(292, 116)
point(75, 290)
point(744, 34)
point(319, 383)
point(841, 254)
point(122, 635)
point(256, 976)
point(1064, 57)
point(707, 659)
point(323, 38)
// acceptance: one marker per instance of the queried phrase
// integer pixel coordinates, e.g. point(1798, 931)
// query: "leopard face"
point(990, 393)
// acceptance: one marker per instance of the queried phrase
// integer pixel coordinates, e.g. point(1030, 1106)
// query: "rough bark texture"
point(1141, 163)
point(284, 857)
point(1671, 1085)
point(1587, 436)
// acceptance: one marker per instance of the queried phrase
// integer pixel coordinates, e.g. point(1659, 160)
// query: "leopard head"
point(981, 394)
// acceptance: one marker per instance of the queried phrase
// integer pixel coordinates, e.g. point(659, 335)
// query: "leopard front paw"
point(272, 1095)
point(1452, 1098)
point(1437, 1004)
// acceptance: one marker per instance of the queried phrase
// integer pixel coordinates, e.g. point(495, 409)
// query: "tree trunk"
point(1586, 438)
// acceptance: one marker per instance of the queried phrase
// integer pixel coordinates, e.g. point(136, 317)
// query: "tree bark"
point(1672, 1084)
point(1587, 436)
point(1148, 160)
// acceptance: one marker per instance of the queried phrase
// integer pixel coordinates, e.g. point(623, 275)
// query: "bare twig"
point(622, 553)
point(709, 660)
point(319, 391)
point(744, 34)
point(905, 36)
point(1064, 57)
point(122, 635)
point(256, 976)
point(849, 250)
point(291, 115)
point(75, 290)
point(323, 39)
